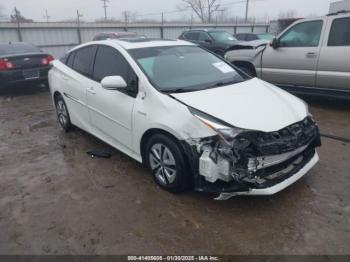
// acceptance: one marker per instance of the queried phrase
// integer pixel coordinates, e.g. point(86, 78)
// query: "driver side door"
point(111, 111)
point(294, 62)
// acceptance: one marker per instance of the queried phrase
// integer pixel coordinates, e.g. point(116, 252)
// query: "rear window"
point(83, 60)
point(17, 48)
point(340, 32)
point(192, 36)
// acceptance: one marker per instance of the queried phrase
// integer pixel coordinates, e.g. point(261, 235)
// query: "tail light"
point(6, 65)
point(47, 60)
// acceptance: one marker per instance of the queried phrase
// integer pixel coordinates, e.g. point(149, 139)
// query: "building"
point(339, 6)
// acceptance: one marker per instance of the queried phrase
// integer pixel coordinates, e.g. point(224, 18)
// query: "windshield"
point(265, 36)
point(17, 48)
point(222, 36)
point(184, 68)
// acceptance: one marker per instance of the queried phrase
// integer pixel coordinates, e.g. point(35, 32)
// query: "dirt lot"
point(55, 199)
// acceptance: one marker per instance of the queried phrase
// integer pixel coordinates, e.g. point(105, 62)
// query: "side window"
point(64, 59)
point(83, 60)
point(241, 37)
point(305, 34)
point(192, 36)
point(340, 32)
point(203, 37)
point(70, 60)
point(251, 37)
point(109, 62)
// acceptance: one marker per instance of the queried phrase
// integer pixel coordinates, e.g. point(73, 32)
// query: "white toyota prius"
point(193, 119)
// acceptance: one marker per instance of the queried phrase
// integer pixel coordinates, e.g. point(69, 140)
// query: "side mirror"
point(275, 43)
point(208, 41)
point(114, 83)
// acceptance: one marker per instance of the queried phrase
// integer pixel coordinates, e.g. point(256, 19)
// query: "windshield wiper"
point(219, 84)
point(179, 90)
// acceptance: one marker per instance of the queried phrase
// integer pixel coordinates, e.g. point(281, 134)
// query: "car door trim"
point(74, 99)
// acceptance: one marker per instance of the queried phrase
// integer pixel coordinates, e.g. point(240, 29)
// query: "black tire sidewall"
point(182, 181)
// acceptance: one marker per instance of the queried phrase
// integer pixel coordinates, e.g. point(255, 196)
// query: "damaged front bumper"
point(256, 163)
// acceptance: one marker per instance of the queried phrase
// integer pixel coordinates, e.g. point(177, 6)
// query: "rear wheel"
point(62, 113)
point(167, 164)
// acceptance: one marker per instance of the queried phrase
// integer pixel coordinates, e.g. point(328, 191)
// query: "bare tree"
point(18, 17)
point(288, 14)
point(129, 16)
point(204, 9)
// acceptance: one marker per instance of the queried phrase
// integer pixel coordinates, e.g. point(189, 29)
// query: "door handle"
point(64, 77)
point(311, 55)
point(91, 90)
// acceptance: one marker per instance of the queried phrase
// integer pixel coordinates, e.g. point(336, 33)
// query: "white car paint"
point(244, 105)
point(253, 104)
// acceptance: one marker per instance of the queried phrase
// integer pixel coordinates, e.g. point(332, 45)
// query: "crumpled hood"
point(253, 104)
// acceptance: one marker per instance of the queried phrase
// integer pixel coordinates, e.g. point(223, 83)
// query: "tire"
point(167, 164)
point(63, 114)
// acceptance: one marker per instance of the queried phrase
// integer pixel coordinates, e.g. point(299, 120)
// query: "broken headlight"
point(226, 132)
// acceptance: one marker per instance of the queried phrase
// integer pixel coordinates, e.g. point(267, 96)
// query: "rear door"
point(334, 64)
point(111, 110)
point(75, 81)
point(294, 62)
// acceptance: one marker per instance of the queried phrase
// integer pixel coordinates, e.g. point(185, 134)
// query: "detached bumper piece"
point(256, 163)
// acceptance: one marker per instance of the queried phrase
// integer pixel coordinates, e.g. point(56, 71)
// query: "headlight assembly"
point(225, 132)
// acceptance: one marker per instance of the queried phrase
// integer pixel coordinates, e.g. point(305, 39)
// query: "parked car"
point(309, 57)
point(117, 35)
point(252, 37)
point(189, 116)
point(22, 63)
point(213, 40)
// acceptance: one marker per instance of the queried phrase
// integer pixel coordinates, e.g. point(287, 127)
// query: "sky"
point(92, 9)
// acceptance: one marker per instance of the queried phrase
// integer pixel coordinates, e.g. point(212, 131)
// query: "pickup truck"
point(311, 56)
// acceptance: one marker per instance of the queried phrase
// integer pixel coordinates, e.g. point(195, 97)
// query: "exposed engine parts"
point(256, 157)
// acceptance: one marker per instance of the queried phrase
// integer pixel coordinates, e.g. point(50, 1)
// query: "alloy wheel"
point(62, 113)
point(162, 163)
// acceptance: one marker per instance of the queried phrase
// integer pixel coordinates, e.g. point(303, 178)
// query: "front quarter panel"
point(160, 111)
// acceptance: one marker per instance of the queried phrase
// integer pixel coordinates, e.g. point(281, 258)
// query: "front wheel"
point(167, 164)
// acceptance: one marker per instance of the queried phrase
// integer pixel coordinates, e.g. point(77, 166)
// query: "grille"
point(287, 139)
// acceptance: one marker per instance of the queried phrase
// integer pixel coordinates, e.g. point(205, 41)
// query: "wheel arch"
point(154, 131)
point(56, 94)
point(184, 147)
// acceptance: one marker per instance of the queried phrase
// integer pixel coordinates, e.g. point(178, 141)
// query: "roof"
point(146, 42)
point(119, 33)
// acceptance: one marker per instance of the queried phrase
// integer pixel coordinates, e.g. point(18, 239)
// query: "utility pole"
point(46, 16)
point(246, 11)
point(105, 7)
point(79, 32)
point(18, 24)
point(162, 27)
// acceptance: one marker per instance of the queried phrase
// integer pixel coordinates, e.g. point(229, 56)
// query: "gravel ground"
point(55, 199)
